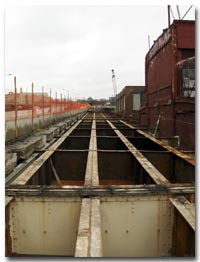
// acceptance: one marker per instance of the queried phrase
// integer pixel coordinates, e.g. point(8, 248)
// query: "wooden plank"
point(185, 208)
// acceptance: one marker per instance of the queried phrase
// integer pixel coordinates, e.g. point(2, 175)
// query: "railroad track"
point(104, 188)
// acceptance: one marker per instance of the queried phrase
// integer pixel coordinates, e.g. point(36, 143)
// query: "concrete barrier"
point(25, 126)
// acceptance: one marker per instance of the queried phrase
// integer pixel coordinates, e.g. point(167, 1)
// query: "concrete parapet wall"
point(26, 126)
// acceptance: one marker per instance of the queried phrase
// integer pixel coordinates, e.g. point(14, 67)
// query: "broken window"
point(187, 87)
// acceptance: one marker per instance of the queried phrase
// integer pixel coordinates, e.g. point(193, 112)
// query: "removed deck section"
point(118, 191)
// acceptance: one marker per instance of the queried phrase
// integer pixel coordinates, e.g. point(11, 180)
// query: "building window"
point(136, 101)
point(187, 81)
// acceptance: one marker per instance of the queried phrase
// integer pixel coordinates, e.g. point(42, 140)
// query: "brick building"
point(129, 101)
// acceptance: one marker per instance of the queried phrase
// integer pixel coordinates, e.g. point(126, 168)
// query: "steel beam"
point(82, 191)
point(168, 148)
point(91, 175)
point(185, 208)
point(89, 241)
point(83, 237)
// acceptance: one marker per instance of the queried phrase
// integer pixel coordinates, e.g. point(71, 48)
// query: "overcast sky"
point(73, 48)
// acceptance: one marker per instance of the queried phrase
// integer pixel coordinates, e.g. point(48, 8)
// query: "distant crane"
point(114, 83)
point(114, 87)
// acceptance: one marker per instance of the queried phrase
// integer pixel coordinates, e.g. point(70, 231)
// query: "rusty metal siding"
point(167, 121)
point(144, 116)
point(185, 35)
point(185, 124)
point(159, 82)
point(153, 116)
point(158, 71)
point(162, 89)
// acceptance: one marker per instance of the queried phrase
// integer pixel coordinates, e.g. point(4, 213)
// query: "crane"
point(114, 83)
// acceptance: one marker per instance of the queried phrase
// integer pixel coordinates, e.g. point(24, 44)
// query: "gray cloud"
point(75, 47)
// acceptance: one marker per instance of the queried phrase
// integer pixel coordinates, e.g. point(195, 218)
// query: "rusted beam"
point(169, 148)
point(185, 208)
point(101, 190)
